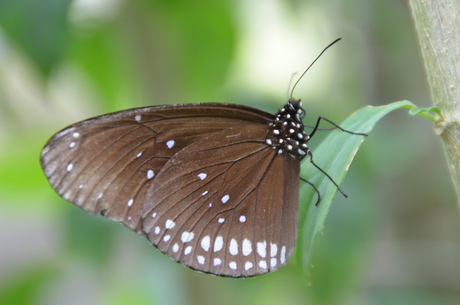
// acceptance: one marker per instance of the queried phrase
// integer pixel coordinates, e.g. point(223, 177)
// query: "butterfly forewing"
point(226, 204)
point(105, 164)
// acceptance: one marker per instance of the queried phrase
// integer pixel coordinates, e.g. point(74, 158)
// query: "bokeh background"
point(395, 240)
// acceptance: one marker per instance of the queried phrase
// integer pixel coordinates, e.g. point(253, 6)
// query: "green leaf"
point(431, 113)
point(334, 156)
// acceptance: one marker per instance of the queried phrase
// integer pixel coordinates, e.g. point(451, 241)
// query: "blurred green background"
point(394, 241)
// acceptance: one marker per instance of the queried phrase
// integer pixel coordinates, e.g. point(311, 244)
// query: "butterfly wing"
point(226, 204)
point(105, 164)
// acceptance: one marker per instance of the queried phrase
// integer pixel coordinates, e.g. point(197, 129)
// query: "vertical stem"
point(438, 26)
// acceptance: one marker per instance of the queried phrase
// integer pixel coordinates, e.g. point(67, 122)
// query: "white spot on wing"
point(218, 243)
point(139, 155)
point(233, 265)
point(67, 195)
point(221, 220)
point(200, 259)
point(204, 193)
point(175, 247)
point(225, 198)
point(69, 167)
point(154, 214)
point(247, 247)
point(263, 264)
point(273, 262)
point(217, 261)
point(202, 176)
point(283, 255)
point(169, 224)
point(72, 144)
point(206, 243)
point(188, 250)
point(130, 202)
point(157, 230)
point(187, 236)
point(233, 249)
point(137, 118)
point(248, 265)
point(150, 174)
point(261, 248)
point(242, 218)
point(170, 144)
point(166, 238)
point(75, 134)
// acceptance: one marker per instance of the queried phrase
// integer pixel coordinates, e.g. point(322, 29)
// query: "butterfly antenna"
point(290, 82)
point(324, 50)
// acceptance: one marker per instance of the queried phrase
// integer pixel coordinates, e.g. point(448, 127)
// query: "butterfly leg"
point(315, 188)
point(335, 125)
point(309, 153)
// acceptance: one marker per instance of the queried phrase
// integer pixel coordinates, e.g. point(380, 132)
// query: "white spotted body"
point(287, 131)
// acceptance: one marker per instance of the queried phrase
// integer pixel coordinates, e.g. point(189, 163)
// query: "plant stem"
point(438, 26)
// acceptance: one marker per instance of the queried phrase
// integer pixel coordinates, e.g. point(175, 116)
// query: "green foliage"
point(431, 113)
point(26, 287)
point(334, 156)
point(38, 27)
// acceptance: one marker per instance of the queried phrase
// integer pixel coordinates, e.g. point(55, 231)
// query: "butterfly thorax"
point(287, 132)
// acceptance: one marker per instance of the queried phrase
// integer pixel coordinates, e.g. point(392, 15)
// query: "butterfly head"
point(296, 106)
point(287, 133)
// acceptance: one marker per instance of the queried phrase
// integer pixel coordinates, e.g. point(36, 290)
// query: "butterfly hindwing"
point(226, 204)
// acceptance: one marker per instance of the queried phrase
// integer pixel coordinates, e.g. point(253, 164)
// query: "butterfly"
point(214, 186)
